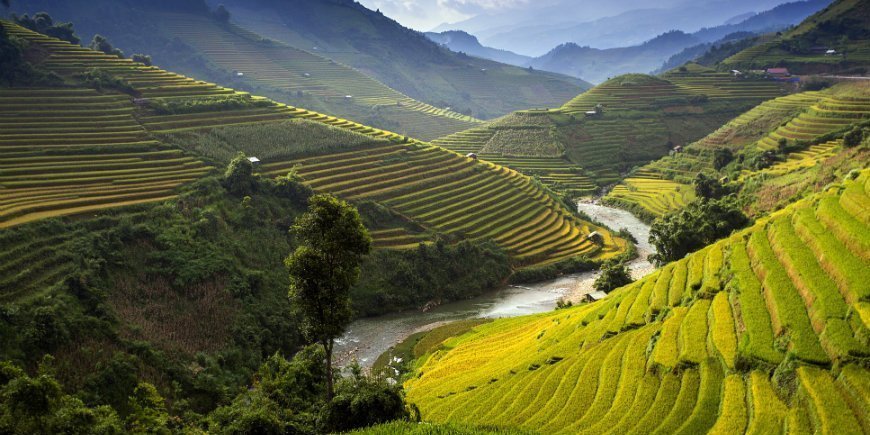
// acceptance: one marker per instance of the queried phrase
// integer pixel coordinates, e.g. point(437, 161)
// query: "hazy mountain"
point(535, 32)
point(672, 48)
point(459, 41)
point(597, 65)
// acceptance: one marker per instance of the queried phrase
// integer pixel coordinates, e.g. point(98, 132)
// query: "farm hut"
point(678, 149)
point(240, 74)
point(595, 237)
point(306, 75)
point(591, 113)
point(594, 296)
point(254, 161)
point(736, 73)
point(830, 52)
point(348, 97)
point(778, 72)
point(471, 156)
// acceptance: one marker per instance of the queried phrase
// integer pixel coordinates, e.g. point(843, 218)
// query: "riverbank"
point(368, 338)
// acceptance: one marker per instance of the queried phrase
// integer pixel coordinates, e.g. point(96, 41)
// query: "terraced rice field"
point(692, 347)
point(833, 112)
point(397, 238)
point(457, 195)
point(655, 195)
point(799, 117)
point(73, 151)
point(292, 70)
point(701, 80)
point(629, 92)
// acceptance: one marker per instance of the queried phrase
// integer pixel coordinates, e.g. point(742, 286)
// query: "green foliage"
point(43, 23)
point(332, 242)
point(100, 79)
point(363, 401)
point(37, 404)
point(698, 225)
point(614, 274)
point(439, 272)
point(722, 157)
point(239, 176)
point(148, 411)
point(177, 106)
point(853, 138)
point(144, 59)
point(708, 187)
point(15, 70)
point(100, 43)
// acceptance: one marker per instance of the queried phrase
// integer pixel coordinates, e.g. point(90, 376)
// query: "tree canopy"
point(699, 224)
point(332, 242)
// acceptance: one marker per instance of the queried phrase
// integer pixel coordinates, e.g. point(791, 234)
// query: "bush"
point(100, 79)
point(141, 58)
point(100, 43)
point(853, 138)
point(239, 177)
point(708, 187)
point(614, 274)
point(43, 23)
point(698, 225)
point(363, 401)
point(178, 106)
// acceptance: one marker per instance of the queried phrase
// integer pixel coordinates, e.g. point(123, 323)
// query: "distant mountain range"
point(617, 23)
point(597, 64)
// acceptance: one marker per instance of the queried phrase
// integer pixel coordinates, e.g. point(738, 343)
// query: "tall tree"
point(332, 243)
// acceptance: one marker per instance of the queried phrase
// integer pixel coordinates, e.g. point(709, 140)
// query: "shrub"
point(43, 23)
point(614, 274)
point(142, 58)
point(853, 138)
point(239, 177)
point(100, 43)
point(698, 225)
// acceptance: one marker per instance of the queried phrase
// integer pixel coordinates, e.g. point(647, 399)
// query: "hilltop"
point(459, 41)
point(642, 118)
point(762, 331)
point(841, 27)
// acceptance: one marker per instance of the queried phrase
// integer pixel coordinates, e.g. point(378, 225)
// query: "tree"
point(333, 241)
point(699, 224)
point(43, 23)
point(239, 177)
point(614, 274)
point(722, 157)
point(853, 138)
point(142, 58)
point(100, 43)
point(708, 187)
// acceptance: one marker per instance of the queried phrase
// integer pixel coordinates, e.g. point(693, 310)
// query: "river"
point(366, 339)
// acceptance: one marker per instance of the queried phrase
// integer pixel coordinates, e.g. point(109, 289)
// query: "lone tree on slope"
point(333, 241)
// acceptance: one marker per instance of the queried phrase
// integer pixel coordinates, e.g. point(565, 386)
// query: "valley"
point(304, 217)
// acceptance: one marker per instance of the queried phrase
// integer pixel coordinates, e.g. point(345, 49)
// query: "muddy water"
point(366, 339)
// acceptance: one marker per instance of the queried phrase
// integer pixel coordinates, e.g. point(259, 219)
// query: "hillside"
point(194, 42)
point(804, 121)
point(597, 64)
point(841, 27)
point(459, 41)
point(643, 118)
point(440, 190)
point(765, 331)
point(364, 39)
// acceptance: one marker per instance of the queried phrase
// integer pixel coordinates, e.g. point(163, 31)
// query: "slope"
point(842, 27)
point(763, 331)
point(402, 58)
point(437, 189)
point(804, 123)
point(642, 118)
point(197, 43)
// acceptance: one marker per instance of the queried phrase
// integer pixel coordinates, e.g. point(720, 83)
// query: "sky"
point(424, 15)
